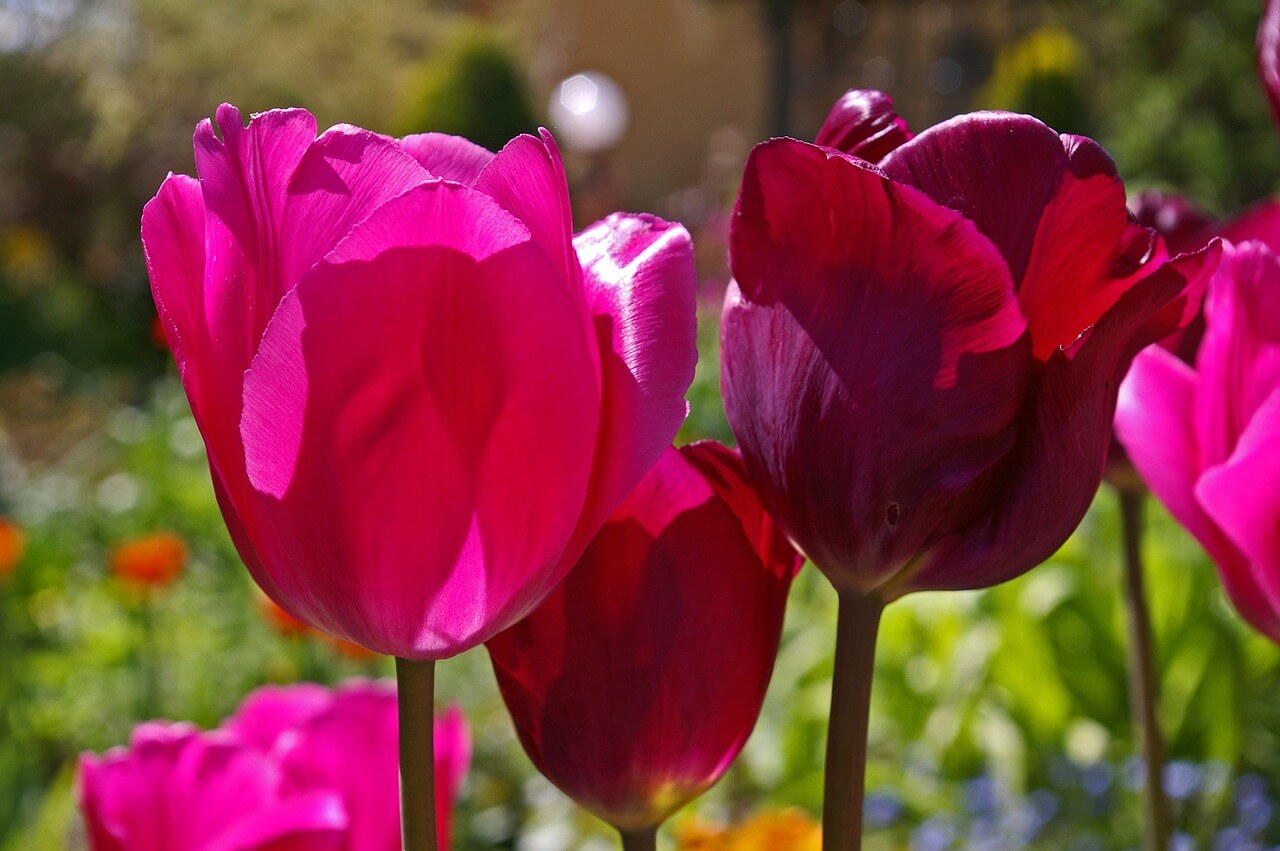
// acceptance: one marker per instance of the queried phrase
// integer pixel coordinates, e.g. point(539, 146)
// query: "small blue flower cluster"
point(1088, 808)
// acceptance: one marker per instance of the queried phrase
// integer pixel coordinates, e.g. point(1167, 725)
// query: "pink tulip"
point(176, 787)
point(1205, 438)
point(636, 683)
point(420, 394)
point(921, 356)
point(297, 768)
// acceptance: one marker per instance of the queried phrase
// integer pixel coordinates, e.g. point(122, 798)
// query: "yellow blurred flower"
point(775, 830)
point(12, 545)
point(151, 561)
point(1044, 52)
point(26, 252)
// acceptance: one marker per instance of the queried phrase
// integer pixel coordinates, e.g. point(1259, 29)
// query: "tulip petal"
point(271, 711)
point(640, 283)
point(1259, 222)
point(1268, 45)
point(726, 472)
point(1058, 464)
point(360, 720)
point(1239, 359)
point(863, 124)
point(344, 176)
point(1154, 422)
point(313, 822)
point(176, 787)
point(917, 410)
point(451, 157)
point(527, 178)
point(637, 682)
point(997, 169)
point(1054, 205)
point(435, 213)
point(1184, 226)
point(1243, 498)
point(427, 494)
point(173, 242)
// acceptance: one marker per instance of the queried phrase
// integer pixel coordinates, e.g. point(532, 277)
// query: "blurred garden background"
point(1000, 718)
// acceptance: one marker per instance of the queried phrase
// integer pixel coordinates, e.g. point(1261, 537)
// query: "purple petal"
point(863, 124)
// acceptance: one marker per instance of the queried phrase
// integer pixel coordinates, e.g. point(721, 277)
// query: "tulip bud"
point(636, 683)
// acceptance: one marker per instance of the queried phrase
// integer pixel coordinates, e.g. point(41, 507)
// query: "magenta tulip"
point(298, 768)
point(921, 357)
point(1204, 438)
point(420, 394)
point(636, 683)
point(176, 787)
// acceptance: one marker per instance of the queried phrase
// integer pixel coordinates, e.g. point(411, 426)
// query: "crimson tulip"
point(1203, 438)
point(921, 357)
point(280, 775)
point(636, 683)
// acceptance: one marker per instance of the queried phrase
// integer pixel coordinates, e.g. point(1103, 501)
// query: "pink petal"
point(1269, 53)
point(640, 283)
point(862, 123)
point(452, 741)
point(1055, 471)
point(176, 787)
point(344, 176)
point(421, 500)
point(311, 822)
point(451, 157)
point(1259, 222)
point(436, 213)
point(1243, 498)
point(358, 727)
point(1155, 422)
point(272, 711)
point(873, 360)
point(527, 179)
point(1239, 359)
point(173, 242)
point(637, 682)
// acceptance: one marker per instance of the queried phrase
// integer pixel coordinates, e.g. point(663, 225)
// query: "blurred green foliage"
point(1173, 88)
point(1022, 686)
point(1016, 685)
point(471, 88)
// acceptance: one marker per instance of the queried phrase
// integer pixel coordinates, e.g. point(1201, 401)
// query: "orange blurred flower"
point(151, 561)
point(281, 621)
point(290, 627)
point(351, 651)
point(775, 830)
point(12, 545)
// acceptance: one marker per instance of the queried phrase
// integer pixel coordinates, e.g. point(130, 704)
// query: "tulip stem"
point(644, 839)
point(415, 690)
point(1143, 689)
point(846, 770)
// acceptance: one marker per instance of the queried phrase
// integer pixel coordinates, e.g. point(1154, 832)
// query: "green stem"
point(846, 769)
point(149, 658)
point(1143, 689)
point(415, 690)
point(644, 839)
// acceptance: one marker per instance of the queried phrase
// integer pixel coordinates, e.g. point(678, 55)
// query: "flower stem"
point(644, 839)
point(858, 623)
point(1142, 675)
point(415, 690)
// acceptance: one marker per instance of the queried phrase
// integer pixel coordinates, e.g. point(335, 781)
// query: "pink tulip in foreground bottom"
point(296, 768)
